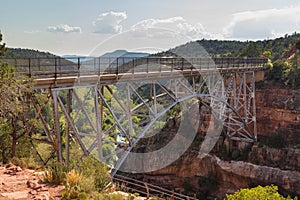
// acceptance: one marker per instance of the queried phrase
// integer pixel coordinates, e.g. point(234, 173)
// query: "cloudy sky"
point(96, 26)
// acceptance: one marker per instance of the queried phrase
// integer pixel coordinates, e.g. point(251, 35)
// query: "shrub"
point(274, 141)
point(109, 197)
point(55, 174)
point(25, 163)
point(187, 186)
point(258, 193)
point(73, 186)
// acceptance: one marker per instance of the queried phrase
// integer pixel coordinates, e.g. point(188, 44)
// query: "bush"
point(274, 141)
point(25, 163)
point(109, 197)
point(187, 186)
point(73, 186)
point(55, 174)
point(258, 193)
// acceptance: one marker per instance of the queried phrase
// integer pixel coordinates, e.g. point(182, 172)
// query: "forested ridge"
point(26, 53)
point(227, 48)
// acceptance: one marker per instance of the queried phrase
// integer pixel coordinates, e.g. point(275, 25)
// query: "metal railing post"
point(55, 68)
point(160, 63)
point(133, 61)
point(78, 68)
point(29, 67)
point(99, 60)
point(147, 69)
point(118, 66)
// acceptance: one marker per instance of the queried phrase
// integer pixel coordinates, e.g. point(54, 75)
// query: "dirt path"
point(16, 183)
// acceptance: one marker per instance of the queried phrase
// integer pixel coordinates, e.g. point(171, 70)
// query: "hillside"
point(227, 48)
point(26, 53)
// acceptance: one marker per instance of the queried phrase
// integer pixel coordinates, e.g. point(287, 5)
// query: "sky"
point(93, 27)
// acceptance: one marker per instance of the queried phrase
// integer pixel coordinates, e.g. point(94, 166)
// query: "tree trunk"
point(14, 138)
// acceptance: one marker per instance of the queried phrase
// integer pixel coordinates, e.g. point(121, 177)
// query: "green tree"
point(258, 193)
point(293, 74)
point(252, 50)
point(15, 122)
point(298, 45)
point(268, 54)
point(278, 71)
point(2, 46)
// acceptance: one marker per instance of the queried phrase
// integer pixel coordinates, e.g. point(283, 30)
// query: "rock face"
point(278, 110)
point(286, 158)
point(229, 176)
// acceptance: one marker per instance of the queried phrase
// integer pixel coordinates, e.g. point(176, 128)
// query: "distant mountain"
point(73, 56)
point(124, 53)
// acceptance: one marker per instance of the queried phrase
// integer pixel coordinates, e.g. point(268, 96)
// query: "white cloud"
point(64, 28)
point(263, 23)
point(178, 25)
point(109, 22)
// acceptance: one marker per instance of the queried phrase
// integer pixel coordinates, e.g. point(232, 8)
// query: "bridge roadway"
point(59, 72)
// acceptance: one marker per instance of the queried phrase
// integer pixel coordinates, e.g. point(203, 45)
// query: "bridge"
point(115, 102)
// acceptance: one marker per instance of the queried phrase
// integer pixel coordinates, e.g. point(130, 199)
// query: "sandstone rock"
point(19, 195)
point(42, 197)
point(33, 192)
point(33, 184)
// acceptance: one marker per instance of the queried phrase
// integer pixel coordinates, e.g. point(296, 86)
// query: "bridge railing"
point(61, 67)
point(147, 189)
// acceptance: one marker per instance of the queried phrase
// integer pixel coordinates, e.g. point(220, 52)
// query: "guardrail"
point(62, 67)
point(149, 190)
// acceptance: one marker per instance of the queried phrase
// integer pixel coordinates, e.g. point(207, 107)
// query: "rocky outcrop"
point(275, 157)
point(229, 176)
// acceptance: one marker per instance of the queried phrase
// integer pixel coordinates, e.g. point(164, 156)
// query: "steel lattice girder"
point(230, 96)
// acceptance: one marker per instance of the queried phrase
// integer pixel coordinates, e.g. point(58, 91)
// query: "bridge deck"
point(59, 72)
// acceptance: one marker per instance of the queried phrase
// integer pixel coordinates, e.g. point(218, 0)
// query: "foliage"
point(258, 193)
point(15, 123)
point(274, 141)
point(2, 46)
point(26, 162)
point(293, 73)
point(298, 45)
point(25, 53)
point(97, 173)
point(208, 182)
point(187, 186)
point(251, 50)
point(73, 189)
point(56, 174)
point(109, 197)
point(267, 54)
point(86, 180)
point(227, 48)
point(278, 71)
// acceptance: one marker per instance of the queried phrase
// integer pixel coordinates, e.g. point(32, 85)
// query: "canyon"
point(274, 159)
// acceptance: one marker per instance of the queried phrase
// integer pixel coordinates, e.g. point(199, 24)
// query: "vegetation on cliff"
point(258, 193)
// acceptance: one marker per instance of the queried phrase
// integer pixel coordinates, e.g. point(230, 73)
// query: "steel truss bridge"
point(118, 101)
